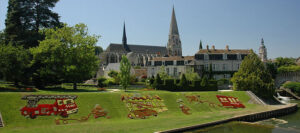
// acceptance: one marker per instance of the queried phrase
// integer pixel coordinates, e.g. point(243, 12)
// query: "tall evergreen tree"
point(200, 45)
point(26, 17)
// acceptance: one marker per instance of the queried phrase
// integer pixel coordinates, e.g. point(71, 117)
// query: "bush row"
point(184, 85)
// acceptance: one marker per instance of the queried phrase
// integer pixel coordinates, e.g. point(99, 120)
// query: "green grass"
point(10, 103)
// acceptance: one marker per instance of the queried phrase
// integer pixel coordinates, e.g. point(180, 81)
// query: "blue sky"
point(239, 23)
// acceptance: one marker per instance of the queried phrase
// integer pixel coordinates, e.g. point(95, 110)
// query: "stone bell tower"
point(263, 51)
point(174, 43)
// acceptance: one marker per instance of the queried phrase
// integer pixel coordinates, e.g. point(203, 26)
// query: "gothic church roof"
point(143, 49)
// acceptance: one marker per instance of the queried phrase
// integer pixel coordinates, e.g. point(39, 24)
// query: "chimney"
point(207, 47)
point(213, 47)
point(227, 47)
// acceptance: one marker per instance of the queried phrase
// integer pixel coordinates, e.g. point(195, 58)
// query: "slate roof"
point(172, 58)
point(144, 49)
point(223, 51)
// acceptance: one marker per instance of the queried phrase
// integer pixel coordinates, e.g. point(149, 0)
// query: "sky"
point(238, 23)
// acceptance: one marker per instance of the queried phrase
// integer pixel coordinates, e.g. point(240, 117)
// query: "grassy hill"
point(10, 104)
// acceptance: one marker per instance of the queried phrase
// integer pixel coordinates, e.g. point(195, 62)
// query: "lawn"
point(10, 103)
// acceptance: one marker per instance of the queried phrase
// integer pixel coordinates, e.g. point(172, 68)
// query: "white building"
point(224, 62)
point(174, 66)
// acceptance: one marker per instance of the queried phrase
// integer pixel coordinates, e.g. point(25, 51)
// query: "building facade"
point(222, 62)
point(174, 66)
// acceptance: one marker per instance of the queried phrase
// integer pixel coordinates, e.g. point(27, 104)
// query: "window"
point(169, 63)
point(206, 57)
point(180, 63)
point(224, 56)
point(231, 57)
point(215, 57)
point(214, 67)
point(224, 67)
point(199, 56)
point(175, 71)
point(157, 63)
point(206, 67)
point(243, 56)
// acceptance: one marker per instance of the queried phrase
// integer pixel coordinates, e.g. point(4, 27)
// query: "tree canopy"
point(66, 55)
point(253, 76)
point(13, 63)
point(191, 75)
point(281, 61)
point(162, 72)
point(124, 72)
point(26, 17)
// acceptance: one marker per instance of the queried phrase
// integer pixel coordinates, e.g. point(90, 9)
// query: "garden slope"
point(10, 104)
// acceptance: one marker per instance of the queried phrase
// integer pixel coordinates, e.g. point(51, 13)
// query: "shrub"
point(212, 85)
point(223, 81)
point(109, 82)
point(196, 85)
point(169, 84)
point(284, 69)
point(101, 81)
point(157, 82)
point(113, 73)
point(183, 83)
point(293, 86)
point(133, 79)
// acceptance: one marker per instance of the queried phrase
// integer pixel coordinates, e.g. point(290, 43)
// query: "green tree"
point(66, 55)
point(2, 38)
point(280, 61)
point(98, 50)
point(200, 45)
point(26, 17)
point(253, 76)
point(183, 82)
point(124, 72)
point(204, 81)
point(210, 72)
point(191, 75)
point(13, 63)
point(271, 68)
point(157, 82)
point(162, 72)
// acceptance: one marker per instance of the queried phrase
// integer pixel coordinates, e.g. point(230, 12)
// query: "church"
point(223, 62)
point(140, 55)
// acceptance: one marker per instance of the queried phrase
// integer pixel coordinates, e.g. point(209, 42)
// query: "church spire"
point(124, 40)
point(173, 25)
point(174, 43)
